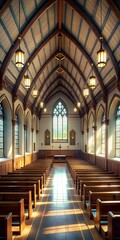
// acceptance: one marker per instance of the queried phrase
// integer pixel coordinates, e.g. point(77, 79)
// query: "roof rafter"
point(97, 33)
point(10, 53)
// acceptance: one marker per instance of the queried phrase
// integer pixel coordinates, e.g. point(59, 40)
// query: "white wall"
point(73, 124)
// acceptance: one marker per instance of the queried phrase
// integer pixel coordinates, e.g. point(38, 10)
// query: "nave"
point(59, 214)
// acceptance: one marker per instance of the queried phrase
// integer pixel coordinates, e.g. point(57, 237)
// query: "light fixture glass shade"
point(75, 109)
point(92, 82)
point(27, 81)
point(78, 104)
point(35, 92)
point(101, 55)
point(19, 58)
point(41, 104)
point(85, 92)
point(45, 110)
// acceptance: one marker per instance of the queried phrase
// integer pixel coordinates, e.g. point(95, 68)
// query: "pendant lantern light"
point(27, 79)
point(101, 54)
point(85, 92)
point(92, 79)
point(19, 54)
point(78, 104)
point(35, 92)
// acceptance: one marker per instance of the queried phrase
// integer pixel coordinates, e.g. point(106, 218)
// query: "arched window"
point(1, 131)
point(60, 132)
point(16, 135)
point(26, 138)
point(92, 139)
point(103, 134)
point(117, 133)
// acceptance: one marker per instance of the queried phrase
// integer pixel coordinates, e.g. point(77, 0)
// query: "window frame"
point(59, 140)
point(103, 135)
point(117, 117)
point(17, 141)
point(2, 138)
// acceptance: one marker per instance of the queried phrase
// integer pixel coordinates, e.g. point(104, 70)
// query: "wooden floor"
point(59, 215)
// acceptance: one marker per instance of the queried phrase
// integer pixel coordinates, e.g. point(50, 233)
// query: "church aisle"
point(59, 215)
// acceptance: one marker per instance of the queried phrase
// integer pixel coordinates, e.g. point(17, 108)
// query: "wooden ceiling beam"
point(115, 6)
point(78, 45)
point(4, 6)
point(81, 74)
point(97, 32)
point(60, 13)
point(28, 25)
point(18, 82)
point(37, 76)
point(58, 79)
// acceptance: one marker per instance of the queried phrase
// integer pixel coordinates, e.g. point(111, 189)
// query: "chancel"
point(59, 120)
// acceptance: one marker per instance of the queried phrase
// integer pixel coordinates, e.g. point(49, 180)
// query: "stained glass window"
point(60, 132)
point(117, 133)
point(1, 131)
point(16, 135)
point(103, 135)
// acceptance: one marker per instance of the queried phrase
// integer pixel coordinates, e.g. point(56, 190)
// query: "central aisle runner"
point(59, 215)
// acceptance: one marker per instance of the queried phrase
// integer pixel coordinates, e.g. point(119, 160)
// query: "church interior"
point(59, 120)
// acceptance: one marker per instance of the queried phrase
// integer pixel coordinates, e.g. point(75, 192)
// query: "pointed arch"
point(60, 121)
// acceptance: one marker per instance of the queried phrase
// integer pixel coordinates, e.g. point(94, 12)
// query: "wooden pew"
point(77, 174)
point(18, 216)
point(103, 196)
point(32, 172)
point(93, 175)
point(26, 177)
point(100, 188)
point(16, 196)
point(22, 181)
point(20, 188)
point(6, 226)
point(98, 182)
point(102, 209)
point(96, 178)
point(112, 230)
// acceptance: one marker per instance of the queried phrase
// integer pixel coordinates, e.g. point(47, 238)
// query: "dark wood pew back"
point(113, 225)
point(31, 172)
point(104, 196)
point(102, 209)
point(107, 182)
point(16, 196)
point(17, 209)
point(20, 188)
point(38, 180)
point(100, 188)
point(22, 181)
point(93, 176)
point(6, 226)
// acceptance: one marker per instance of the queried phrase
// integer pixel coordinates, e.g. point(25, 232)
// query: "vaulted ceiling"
point(60, 39)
